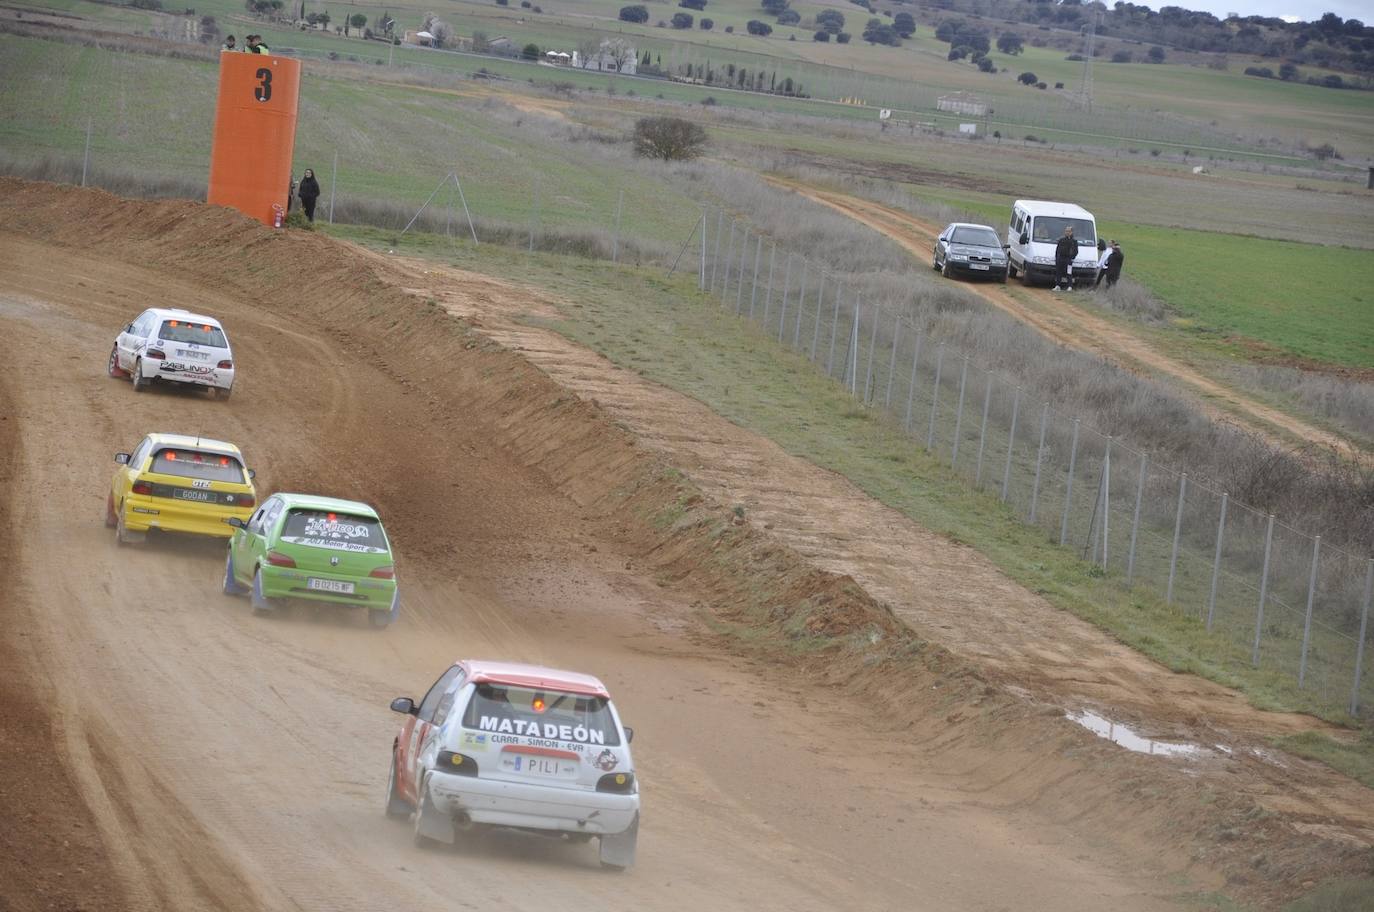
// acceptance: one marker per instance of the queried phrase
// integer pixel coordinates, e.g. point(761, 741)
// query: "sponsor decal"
point(548, 730)
point(176, 367)
point(475, 740)
point(607, 760)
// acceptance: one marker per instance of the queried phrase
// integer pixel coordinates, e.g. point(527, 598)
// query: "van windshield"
point(1050, 228)
point(549, 714)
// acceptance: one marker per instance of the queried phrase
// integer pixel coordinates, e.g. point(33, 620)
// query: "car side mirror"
point(236, 522)
point(122, 458)
point(629, 734)
point(1025, 238)
point(404, 705)
point(252, 473)
point(1006, 246)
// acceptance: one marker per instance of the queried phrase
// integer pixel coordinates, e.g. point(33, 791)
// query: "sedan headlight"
point(959, 257)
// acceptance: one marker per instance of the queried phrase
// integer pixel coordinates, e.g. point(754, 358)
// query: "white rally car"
point(520, 746)
point(168, 345)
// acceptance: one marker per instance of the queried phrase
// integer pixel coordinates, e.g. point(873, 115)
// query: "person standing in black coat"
point(1065, 252)
point(309, 192)
point(1114, 266)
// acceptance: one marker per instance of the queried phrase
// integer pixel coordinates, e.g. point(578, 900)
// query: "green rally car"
point(302, 547)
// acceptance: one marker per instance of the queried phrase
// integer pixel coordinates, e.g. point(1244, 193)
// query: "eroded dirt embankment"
point(440, 378)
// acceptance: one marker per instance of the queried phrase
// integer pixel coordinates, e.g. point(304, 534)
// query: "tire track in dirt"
point(1062, 320)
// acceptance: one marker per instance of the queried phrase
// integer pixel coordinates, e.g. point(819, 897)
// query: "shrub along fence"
point(1282, 600)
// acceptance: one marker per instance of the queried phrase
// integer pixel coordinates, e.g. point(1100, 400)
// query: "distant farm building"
point(962, 103)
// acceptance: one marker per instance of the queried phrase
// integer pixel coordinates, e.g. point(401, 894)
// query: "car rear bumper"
point(172, 371)
point(537, 807)
point(165, 514)
point(288, 582)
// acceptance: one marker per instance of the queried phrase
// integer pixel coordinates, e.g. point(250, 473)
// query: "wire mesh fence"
point(1272, 596)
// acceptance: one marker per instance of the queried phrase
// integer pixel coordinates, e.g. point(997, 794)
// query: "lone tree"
point(1156, 54)
point(634, 13)
point(706, 24)
point(357, 20)
point(789, 17)
point(878, 32)
point(530, 51)
point(830, 20)
point(668, 138)
point(1029, 79)
point(756, 27)
point(903, 24)
point(682, 21)
point(1009, 43)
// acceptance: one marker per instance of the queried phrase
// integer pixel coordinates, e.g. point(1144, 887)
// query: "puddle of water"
point(1120, 734)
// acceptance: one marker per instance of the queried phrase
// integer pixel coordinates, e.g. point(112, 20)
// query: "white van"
point(1036, 226)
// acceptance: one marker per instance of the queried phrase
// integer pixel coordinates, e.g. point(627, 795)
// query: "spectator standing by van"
point(1065, 252)
point(1114, 265)
point(1104, 257)
point(309, 192)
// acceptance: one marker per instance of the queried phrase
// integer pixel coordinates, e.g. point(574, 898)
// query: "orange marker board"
point(255, 133)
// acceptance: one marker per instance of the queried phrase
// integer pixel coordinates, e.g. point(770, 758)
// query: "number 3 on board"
point(263, 91)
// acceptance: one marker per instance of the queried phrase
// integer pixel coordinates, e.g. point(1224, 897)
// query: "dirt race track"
point(161, 748)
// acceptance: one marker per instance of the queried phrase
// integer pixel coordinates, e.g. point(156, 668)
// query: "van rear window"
point(200, 333)
point(329, 529)
point(548, 714)
point(194, 464)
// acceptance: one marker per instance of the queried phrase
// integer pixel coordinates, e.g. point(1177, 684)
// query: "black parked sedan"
point(971, 250)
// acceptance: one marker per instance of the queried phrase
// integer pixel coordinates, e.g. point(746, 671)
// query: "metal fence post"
point(935, 395)
point(872, 351)
point(983, 432)
point(729, 255)
point(892, 361)
point(801, 308)
point(1307, 622)
point(1135, 518)
point(768, 295)
point(816, 324)
point(1011, 440)
point(852, 359)
point(1039, 458)
point(1216, 564)
point(1359, 648)
point(911, 386)
point(1106, 503)
point(1264, 591)
point(786, 288)
point(715, 256)
point(743, 268)
point(534, 220)
point(834, 329)
point(1178, 530)
point(1068, 494)
point(754, 288)
point(86, 162)
point(333, 183)
point(701, 280)
point(959, 415)
point(615, 238)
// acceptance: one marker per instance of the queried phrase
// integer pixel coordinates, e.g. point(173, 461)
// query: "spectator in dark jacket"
point(1065, 252)
point(309, 192)
point(1114, 266)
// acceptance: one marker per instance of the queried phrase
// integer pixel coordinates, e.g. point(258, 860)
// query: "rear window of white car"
point(195, 464)
point(331, 529)
point(182, 331)
point(547, 714)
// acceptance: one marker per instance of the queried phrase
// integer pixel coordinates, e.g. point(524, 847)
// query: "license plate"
point(189, 494)
point(539, 767)
point(978, 265)
point(187, 353)
point(326, 585)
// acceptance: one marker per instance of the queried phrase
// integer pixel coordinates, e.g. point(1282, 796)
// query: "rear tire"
point(261, 606)
point(123, 536)
point(223, 393)
point(944, 268)
point(618, 850)
point(431, 829)
point(397, 807)
point(111, 521)
point(380, 618)
point(140, 384)
point(231, 585)
point(114, 369)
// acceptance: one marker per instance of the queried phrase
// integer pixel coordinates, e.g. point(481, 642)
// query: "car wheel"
point(260, 603)
point(111, 521)
point(379, 618)
point(231, 585)
point(618, 850)
point(114, 369)
point(1011, 269)
point(396, 806)
point(935, 262)
point(223, 392)
point(944, 268)
point(140, 384)
point(431, 827)
point(1003, 278)
point(122, 535)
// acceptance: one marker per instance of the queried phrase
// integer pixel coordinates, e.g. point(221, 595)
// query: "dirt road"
point(176, 752)
point(1075, 325)
point(231, 762)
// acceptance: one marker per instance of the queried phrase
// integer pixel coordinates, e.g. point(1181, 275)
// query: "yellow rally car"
point(176, 483)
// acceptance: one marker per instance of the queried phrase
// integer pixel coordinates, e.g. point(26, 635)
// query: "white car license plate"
point(324, 585)
point(538, 766)
point(978, 265)
point(188, 353)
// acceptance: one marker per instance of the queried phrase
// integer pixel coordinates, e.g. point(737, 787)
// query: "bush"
point(774, 7)
point(1041, 85)
point(706, 24)
point(709, 101)
point(958, 53)
point(1261, 72)
point(985, 65)
point(789, 17)
point(842, 38)
point(692, 4)
point(668, 138)
point(682, 20)
point(729, 30)
point(1325, 151)
point(1289, 72)
point(1059, 85)
point(904, 25)
point(822, 35)
point(830, 20)
point(1027, 78)
point(1010, 43)
point(530, 51)
point(756, 27)
point(1156, 54)
point(638, 14)
point(1121, 57)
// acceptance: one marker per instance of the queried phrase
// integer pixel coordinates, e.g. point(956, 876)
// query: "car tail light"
point(620, 783)
point(244, 500)
point(143, 487)
point(459, 764)
point(156, 353)
point(387, 572)
point(226, 365)
point(277, 559)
